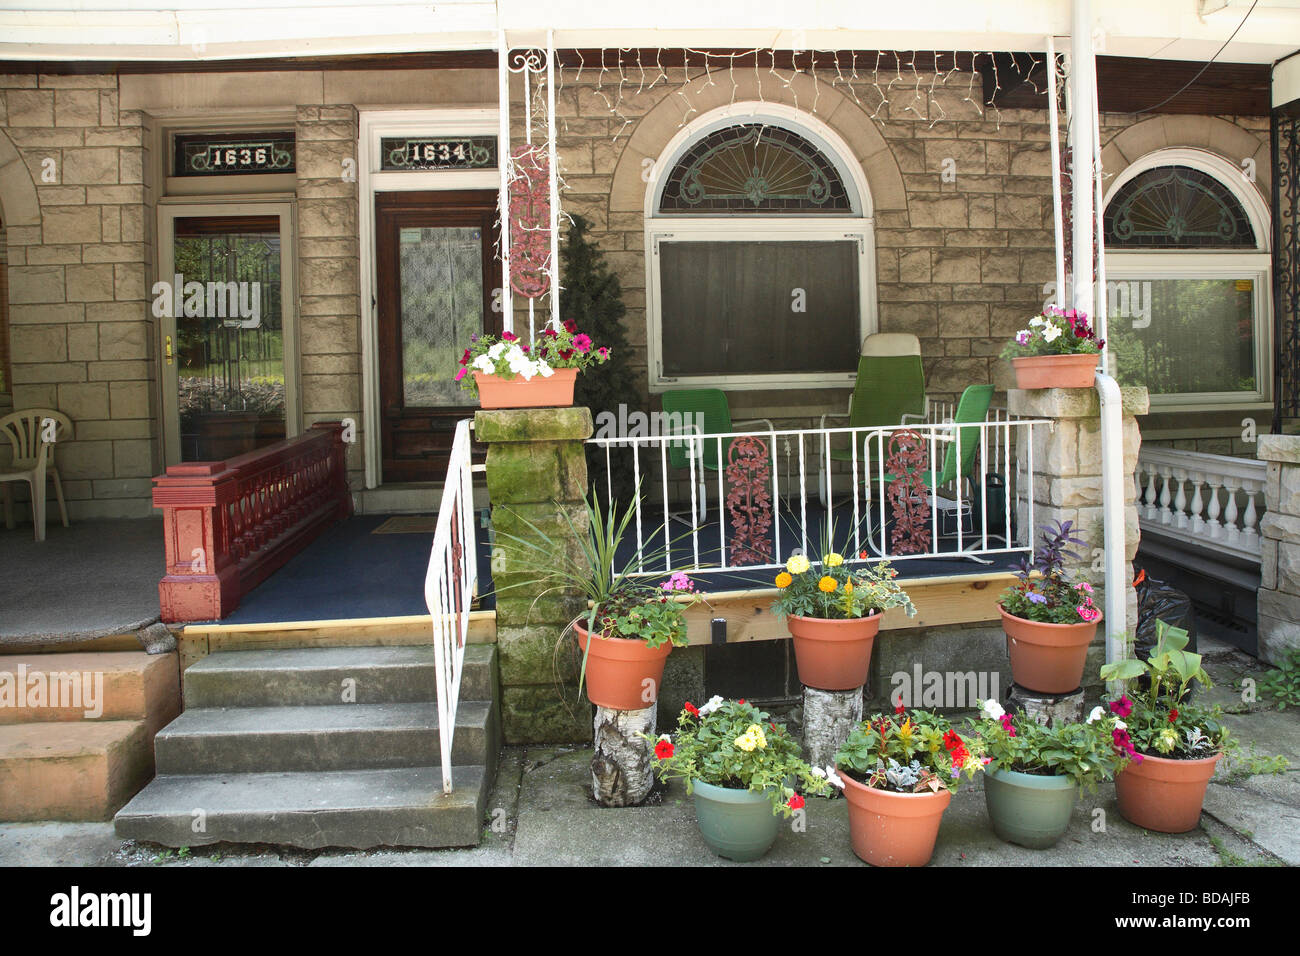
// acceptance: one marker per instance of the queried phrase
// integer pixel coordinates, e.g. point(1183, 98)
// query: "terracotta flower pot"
point(1163, 794)
point(536, 392)
point(737, 824)
point(833, 655)
point(1030, 810)
point(618, 670)
point(1055, 371)
point(893, 829)
point(1047, 658)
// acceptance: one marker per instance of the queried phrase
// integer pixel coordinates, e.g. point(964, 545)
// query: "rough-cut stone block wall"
point(80, 322)
point(329, 322)
point(1279, 593)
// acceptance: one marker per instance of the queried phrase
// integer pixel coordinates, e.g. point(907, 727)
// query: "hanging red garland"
point(530, 221)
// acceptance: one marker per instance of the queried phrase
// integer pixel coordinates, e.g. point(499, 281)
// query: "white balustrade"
point(1213, 501)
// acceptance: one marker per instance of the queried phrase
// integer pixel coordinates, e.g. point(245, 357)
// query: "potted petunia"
point(742, 769)
point(898, 773)
point(506, 372)
point(1170, 744)
point(630, 624)
point(1048, 619)
point(1058, 350)
point(833, 613)
point(1034, 771)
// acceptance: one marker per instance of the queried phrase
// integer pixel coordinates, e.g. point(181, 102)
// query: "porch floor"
point(93, 579)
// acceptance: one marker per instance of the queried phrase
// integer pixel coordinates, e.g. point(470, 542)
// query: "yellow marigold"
point(834, 560)
point(783, 580)
point(797, 564)
point(828, 584)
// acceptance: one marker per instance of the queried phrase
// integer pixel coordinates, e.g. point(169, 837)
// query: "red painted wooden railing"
point(229, 524)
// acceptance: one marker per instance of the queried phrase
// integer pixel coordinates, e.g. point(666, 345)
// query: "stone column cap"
point(533, 424)
point(1072, 402)
point(1283, 448)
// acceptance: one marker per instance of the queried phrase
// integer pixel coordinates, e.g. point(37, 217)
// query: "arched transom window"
point(1188, 277)
point(761, 255)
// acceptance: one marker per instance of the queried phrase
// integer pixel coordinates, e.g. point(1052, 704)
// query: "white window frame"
point(1253, 264)
point(857, 226)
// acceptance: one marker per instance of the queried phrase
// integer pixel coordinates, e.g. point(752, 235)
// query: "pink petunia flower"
point(582, 342)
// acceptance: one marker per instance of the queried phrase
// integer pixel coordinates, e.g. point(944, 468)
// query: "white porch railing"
point(449, 586)
point(774, 483)
point(1211, 501)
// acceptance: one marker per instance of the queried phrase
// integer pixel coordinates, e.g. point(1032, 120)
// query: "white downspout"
point(1085, 173)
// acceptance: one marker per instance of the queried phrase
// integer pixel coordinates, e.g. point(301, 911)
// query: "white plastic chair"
point(33, 433)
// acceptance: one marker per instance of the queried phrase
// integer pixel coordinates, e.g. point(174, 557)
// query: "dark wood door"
point(437, 273)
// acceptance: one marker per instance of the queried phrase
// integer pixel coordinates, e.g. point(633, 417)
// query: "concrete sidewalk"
point(539, 813)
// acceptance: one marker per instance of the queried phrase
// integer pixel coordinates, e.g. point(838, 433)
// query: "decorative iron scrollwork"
point(530, 220)
point(908, 460)
point(749, 501)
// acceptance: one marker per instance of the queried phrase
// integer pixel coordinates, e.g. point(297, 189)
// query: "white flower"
point(992, 709)
point(834, 777)
point(1120, 725)
point(818, 772)
point(544, 369)
point(714, 703)
point(496, 351)
point(485, 365)
point(664, 737)
point(1035, 321)
point(1097, 714)
point(1051, 333)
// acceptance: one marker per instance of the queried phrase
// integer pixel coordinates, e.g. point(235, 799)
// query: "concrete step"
point(316, 676)
point(352, 808)
point(111, 685)
point(210, 740)
point(65, 770)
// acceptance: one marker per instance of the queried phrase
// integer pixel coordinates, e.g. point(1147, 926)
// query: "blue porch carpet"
point(349, 572)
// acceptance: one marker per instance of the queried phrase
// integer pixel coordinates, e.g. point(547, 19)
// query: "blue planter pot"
point(738, 824)
point(1027, 809)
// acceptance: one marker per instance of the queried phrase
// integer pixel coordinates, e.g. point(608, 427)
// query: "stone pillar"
point(536, 472)
point(1068, 486)
point(1279, 566)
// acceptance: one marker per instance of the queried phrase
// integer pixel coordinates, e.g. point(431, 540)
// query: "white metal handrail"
point(1213, 501)
point(1004, 448)
point(449, 587)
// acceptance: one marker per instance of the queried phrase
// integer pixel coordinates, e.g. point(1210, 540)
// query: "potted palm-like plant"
point(630, 624)
point(1058, 350)
point(1169, 744)
point(506, 372)
point(899, 772)
point(741, 768)
point(1034, 771)
point(833, 613)
point(1048, 619)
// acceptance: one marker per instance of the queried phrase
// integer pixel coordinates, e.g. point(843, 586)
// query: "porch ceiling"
point(199, 30)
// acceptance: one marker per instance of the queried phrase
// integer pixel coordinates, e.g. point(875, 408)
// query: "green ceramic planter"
point(738, 824)
point(1029, 810)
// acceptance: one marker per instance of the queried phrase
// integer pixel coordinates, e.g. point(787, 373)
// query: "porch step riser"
point(325, 686)
point(110, 685)
point(65, 771)
point(360, 809)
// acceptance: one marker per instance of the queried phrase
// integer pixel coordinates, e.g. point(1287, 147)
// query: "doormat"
point(408, 524)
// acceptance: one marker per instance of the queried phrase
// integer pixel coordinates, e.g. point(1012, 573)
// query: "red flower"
point(550, 333)
point(464, 359)
point(508, 337)
point(691, 709)
point(664, 749)
point(951, 740)
point(1173, 715)
point(566, 353)
point(899, 708)
point(741, 701)
point(570, 326)
point(795, 803)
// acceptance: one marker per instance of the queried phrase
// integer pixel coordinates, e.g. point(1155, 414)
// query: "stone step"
point(402, 806)
point(215, 740)
point(65, 770)
point(109, 685)
point(315, 676)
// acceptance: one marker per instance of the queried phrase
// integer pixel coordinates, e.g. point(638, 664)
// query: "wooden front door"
point(437, 273)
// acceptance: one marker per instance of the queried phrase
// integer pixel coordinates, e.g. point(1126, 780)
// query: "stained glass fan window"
point(1176, 207)
point(754, 168)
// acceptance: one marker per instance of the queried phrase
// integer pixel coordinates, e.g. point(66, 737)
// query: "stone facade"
point(1279, 593)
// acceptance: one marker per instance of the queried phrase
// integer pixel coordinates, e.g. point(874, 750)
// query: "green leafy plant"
point(509, 356)
point(1055, 331)
point(1085, 752)
point(1045, 592)
point(909, 753)
point(735, 745)
point(1161, 719)
point(1282, 685)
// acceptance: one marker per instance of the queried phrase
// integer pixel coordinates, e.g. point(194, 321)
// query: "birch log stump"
point(622, 768)
point(828, 717)
point(1047, 708)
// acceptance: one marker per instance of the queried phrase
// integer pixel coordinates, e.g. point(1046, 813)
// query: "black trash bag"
point(1158, 601)
point(991, 515)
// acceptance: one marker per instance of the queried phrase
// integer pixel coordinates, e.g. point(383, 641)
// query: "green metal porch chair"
point(701, 412)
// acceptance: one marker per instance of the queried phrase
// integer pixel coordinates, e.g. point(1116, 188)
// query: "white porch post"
point(503, 191)
point(1082, 107)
